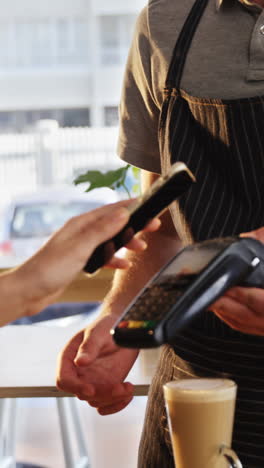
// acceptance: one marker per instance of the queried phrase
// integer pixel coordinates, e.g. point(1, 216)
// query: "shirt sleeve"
point(139, 114)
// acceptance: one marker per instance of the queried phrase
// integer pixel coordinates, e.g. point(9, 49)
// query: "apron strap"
point(183, 44)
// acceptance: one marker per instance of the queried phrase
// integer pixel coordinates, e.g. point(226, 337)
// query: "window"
point(72, 42)
point(115, 36)
point(5, 40)
point(7, 121)
point(33, 44)
point(74, 118)
point(48, 42)
point(20, 121)
point(111, 116)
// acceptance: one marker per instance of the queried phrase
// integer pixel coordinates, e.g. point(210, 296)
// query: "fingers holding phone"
point(154, 201)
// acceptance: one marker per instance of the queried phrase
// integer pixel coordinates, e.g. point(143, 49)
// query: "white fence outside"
point(53, 156)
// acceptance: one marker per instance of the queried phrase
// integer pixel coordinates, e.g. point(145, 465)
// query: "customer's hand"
point(42, 278)
point(93, 367)
point(243, 308)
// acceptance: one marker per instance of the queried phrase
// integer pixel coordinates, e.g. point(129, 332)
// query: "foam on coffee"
point(200, 390)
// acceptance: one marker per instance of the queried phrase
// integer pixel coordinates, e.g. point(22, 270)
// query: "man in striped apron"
point(210, 116)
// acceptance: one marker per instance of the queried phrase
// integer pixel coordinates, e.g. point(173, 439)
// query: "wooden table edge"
point(48, 392)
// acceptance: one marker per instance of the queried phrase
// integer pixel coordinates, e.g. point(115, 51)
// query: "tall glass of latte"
point(201, 415)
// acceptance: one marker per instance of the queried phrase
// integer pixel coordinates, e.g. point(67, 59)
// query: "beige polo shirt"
point(225, 60)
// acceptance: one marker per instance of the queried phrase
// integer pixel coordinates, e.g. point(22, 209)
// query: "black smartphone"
point(186, 286)
point(161, 194)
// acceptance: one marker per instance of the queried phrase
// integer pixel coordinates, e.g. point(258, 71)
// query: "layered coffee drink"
point(201, 416)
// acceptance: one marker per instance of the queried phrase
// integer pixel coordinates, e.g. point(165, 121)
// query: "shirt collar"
point(245, 2)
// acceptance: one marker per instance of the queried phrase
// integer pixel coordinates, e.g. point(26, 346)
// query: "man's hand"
point(243, 308)
point(93, 367)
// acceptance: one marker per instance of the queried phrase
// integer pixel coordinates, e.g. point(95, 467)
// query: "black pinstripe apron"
point(222, 142)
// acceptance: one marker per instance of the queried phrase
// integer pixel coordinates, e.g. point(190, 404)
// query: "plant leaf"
point(97, 179)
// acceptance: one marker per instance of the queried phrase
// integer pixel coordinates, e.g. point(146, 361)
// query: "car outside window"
point(41, 220)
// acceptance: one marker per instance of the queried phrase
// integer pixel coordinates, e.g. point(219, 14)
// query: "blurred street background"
point(61, 70)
